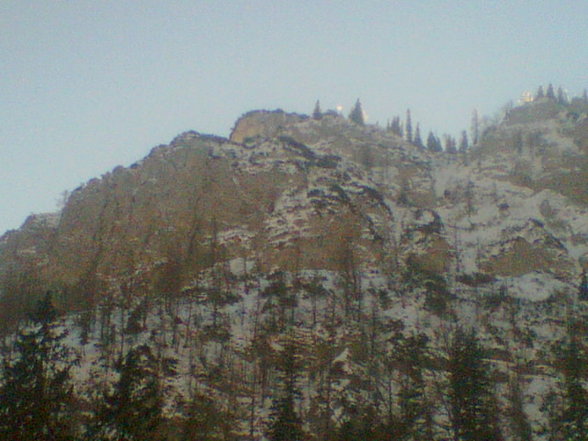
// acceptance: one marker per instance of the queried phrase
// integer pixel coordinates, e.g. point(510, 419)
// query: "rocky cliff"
point(353, 222)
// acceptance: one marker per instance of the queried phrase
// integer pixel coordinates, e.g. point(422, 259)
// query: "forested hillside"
point(311, 277)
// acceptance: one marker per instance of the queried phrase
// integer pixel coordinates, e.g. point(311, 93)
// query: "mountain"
point(342, 245)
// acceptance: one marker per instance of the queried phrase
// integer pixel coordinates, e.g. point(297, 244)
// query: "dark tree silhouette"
point(450, 145)
point(418, 141)
point(475, 127)
point(36, 392)
point(463, 143)
point(133, 411)
point(408, 126)
point(474, 415)
point(433, 143)
point(396, 126)
point(550, 92)
point(356, 114)
point(316, 113)
point(285, 423)
point(583, 290)
point(573, 421)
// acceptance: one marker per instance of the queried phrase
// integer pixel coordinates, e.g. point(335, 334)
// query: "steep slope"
point(342, 240)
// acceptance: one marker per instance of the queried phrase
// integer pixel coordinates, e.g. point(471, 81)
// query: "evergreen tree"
point(583, 291)
point(474, 415)
point(519, 422)
point(585, 96)
point(356, 114)
point(550, 93)
point(285, 423)
point(408, 126)
point(433, 143)
point(316, 113)
point(413, 421)
point(540, 93)
point(396, 126)
point(463, 143)
point(475, 127)
point(450, 145)
point(574, 417)
point(133, 411)
point(417, 137)
point(364, 424)
point(205, 420)
point(36, 392)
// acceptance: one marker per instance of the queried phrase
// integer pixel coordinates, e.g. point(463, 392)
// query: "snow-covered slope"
point(343, 238)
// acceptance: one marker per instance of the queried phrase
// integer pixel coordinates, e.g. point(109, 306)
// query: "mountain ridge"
point(217, 248)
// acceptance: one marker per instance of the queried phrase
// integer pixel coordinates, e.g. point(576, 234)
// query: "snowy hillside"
point(326, 270)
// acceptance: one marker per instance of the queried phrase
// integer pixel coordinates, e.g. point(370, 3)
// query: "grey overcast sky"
point(87, 85)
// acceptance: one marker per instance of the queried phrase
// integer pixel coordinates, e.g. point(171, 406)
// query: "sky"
point(87, 85)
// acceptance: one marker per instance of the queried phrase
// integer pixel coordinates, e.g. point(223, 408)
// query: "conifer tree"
point(519, 422)
point(356, 114)
point(463, 143)
point(573, 421)
point(550, 93)
point(474, 415)
point(450, 145)
point(540, 93)
point(316, 113)
point(413, 421)
point(36, 392)
point(475, 127)
point(133, 411)
point(206, 420)
point(417, 137)
point(408, 126)
point(583, 290)
point(285, 423)
point(433, 143)
point(396, 126)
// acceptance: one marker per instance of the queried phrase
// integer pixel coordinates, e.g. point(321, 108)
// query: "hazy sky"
point(86, 85)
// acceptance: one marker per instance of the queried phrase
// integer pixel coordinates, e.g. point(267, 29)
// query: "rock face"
point(301, 199)
point(288, 192)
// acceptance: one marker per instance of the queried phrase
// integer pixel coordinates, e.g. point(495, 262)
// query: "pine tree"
point(473, 405)
point(583, 290)
point(540, 93)
point(133, 411)
point(574, 417)
point(433, 143)
point(463, 143)
point(475, 127)
point(356, 114)
point(417, 137)
point(450, 145)
point(316, 113)
point(205, 420)
point(396, 126)
point(36, 392)
point(411, 354)
point(408, 126)
point(519, 422)
point(285, 423)
point(550, 93)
